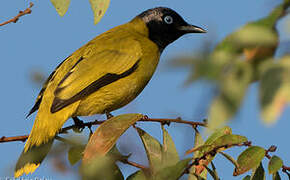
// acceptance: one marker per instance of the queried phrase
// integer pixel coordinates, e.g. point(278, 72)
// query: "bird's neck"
point(139, 27)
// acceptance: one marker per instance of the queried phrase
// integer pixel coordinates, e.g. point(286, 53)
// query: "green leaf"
point(153, 150)
point(99, 168)
point(259, 173)
point(198, 142)
point(115, 154)
point(75, 154)
point(61, 6)
point(99, 8)
point(276, 176)
point(107, 134)
point(229, 140)
point(248, 177)
point(230, 158)
point(204, 147)
point(274, 89)
point(218, 133)
point(275, 164)
point(249, 159)
point(253, 36)
point(233, 86)
point(172, 172)
point(138, 175)
point(170, 154)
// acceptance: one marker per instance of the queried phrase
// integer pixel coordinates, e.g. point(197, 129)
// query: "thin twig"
point(14, 138)
point(126, 161)
point(177, 120)
point(21, 13)
point(96, 122)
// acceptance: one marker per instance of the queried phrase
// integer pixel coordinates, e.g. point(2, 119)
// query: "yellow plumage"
point(103, 75)
point(107, 53)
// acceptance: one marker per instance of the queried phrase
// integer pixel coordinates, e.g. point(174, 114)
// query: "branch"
point(14, 138)
point(126, 161)
point(97, 122)
point(177, 120)
point(21, 13)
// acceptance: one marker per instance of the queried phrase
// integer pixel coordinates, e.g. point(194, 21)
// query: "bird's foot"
point(109, 115)
point(79, 124)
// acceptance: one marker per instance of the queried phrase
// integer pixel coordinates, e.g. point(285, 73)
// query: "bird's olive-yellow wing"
point(91, 73)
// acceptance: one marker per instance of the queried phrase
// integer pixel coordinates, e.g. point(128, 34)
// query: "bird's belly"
point(112, 96)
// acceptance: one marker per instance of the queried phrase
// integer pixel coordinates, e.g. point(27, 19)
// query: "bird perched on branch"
point(102, 76)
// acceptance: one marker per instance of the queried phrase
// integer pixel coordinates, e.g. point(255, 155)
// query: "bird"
point(103, 75)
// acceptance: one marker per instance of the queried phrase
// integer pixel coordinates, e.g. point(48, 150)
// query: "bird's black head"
point(165, 26)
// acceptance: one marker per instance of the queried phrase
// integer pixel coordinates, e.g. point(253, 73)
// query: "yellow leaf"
point(61, 6)
point(99, 8)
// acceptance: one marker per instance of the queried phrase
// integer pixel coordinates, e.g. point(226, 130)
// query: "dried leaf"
point(99, 8)
point(61, 6)
point(107, 134)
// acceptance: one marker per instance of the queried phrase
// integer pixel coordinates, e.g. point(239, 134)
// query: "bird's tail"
point(45, 127)
point(29, 160)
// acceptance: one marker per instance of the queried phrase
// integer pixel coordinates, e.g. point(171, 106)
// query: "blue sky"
point(41, 40)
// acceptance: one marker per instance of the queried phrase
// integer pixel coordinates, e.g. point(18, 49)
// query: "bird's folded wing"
point(94, 72)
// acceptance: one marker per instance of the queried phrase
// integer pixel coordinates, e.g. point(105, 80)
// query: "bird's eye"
point(168, 19)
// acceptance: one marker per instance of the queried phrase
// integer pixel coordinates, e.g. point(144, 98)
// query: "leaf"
point(115, 154)
point(99, 168)
point(173, 172)
point(138, 175)
point(249, 159)
point(229, 140)
point(75, 154)
point(153, 150)
point(248, 177)
point(99, 8)
point(218, 133)
point(259, 173)
point(170, 154)
point(61, 6)
point(198, 142)
point(253, 36)
point(230, 158)
point(275, 164)
point(233, 86)
point(276, 176)
point(208, 143)
point(107, 134)
point(274, 89)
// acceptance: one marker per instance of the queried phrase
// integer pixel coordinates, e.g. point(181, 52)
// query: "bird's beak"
point(191, 29)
